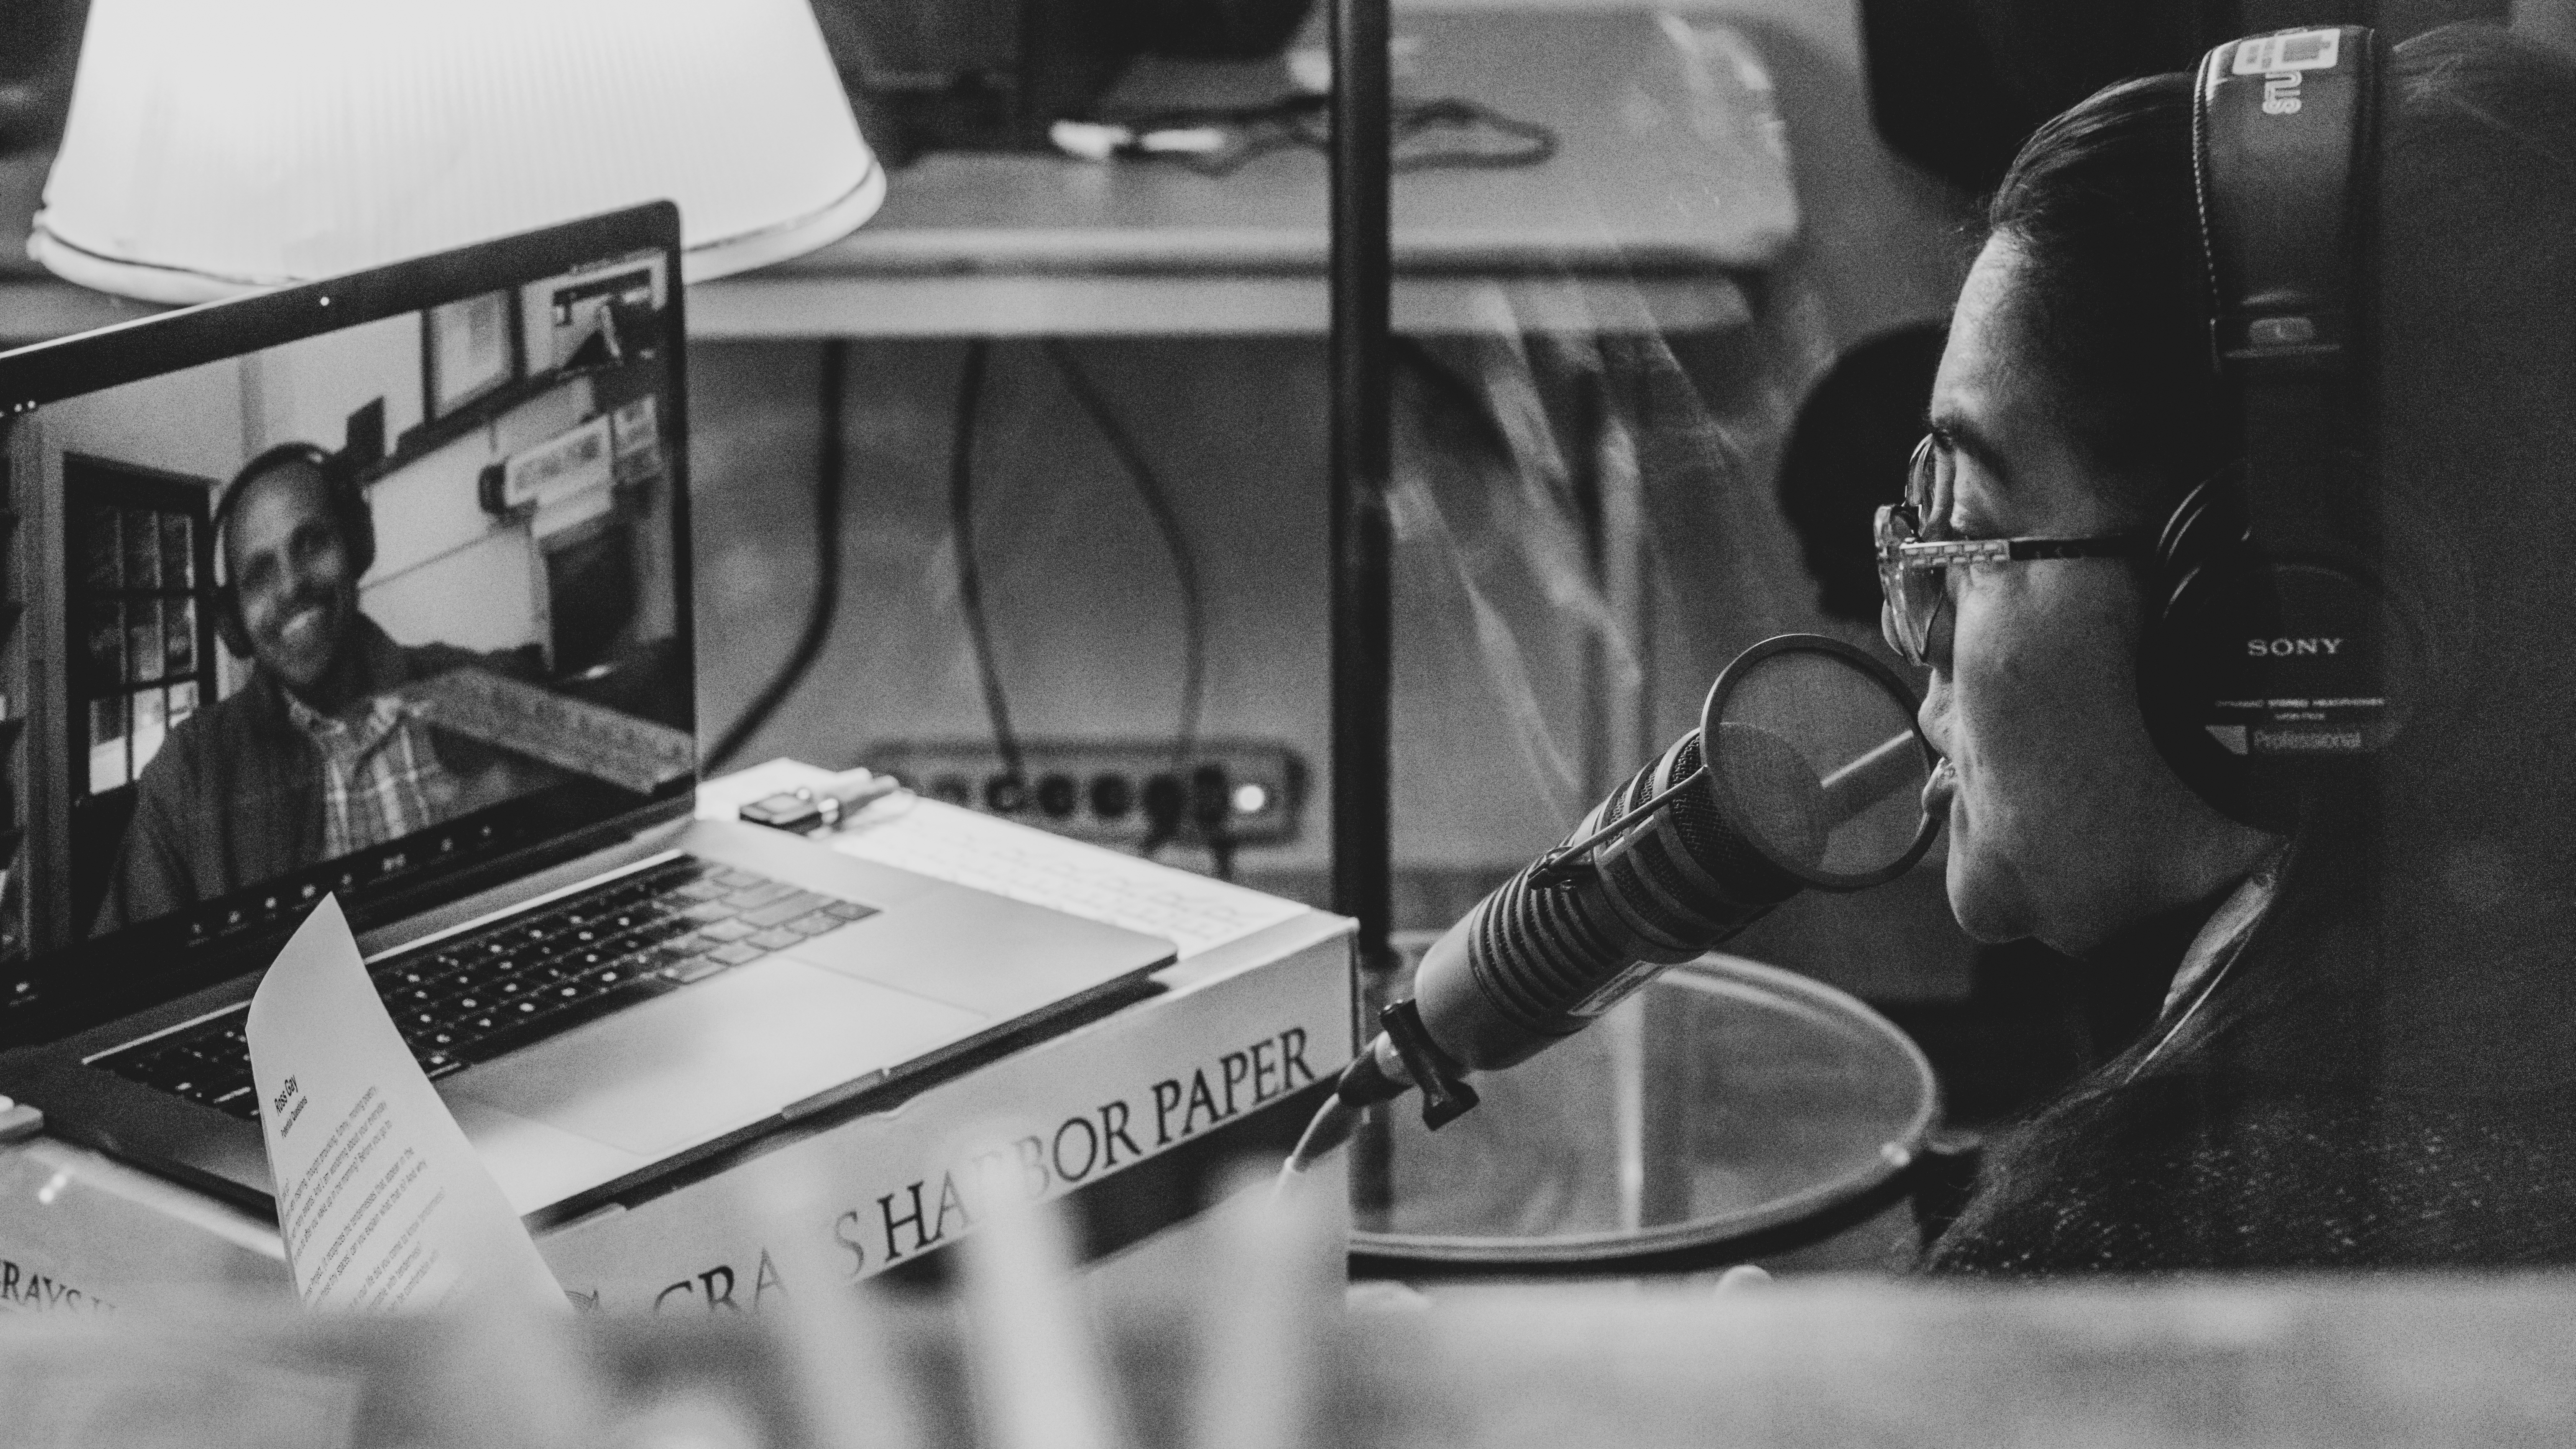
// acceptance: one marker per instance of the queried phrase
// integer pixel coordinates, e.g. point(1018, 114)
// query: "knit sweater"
point(2178, 1174)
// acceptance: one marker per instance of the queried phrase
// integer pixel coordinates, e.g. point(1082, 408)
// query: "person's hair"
point(339, 500)
point(1846, 456)
point(2100, 211)
point(2422, 930)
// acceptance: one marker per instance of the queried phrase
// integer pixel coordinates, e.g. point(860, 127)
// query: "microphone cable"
point(1330, 1128)
point(1366, 1082)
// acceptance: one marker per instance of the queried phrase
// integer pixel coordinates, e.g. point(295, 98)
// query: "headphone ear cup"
point(2203, 568)
point(2261, 669)
point(228, 622)
point(2209, 523)
point(357, 529)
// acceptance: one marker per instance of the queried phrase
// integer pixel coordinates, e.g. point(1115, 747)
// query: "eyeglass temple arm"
point(1934, 553)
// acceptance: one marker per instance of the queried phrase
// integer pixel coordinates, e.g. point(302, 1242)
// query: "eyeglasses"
point(1912, 569)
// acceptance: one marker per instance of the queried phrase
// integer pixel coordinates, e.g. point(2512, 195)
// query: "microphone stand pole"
point(1361, 544)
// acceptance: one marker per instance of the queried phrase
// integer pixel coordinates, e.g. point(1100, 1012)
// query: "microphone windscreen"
point(1831, 785)
point(1773, 795)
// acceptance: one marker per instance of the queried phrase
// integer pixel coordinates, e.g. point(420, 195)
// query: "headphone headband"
point(2281, 128)
point(337, 479)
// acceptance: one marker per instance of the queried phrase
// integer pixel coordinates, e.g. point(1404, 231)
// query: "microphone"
point(1797, 777)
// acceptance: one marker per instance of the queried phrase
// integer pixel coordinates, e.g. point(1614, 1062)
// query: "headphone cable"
point(970, 578)
point(826, 601)
point(1167, 522)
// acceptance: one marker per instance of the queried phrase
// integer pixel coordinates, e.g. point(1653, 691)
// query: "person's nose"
point(1933, 715)
point(307, 570)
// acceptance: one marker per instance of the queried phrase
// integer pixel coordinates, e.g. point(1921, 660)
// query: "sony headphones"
point(350, 518)
point(2284, 650)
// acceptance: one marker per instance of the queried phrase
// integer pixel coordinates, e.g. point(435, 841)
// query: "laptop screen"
point(349, 612)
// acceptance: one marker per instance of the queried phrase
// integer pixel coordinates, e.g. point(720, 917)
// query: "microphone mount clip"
point(1572, 864)
point(1445, 1098)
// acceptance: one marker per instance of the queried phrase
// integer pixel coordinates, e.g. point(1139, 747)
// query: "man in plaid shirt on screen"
point(316, 756)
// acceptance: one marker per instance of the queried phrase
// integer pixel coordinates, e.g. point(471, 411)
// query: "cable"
point(970, 584)
point(1165, 801)
point(1366, 1082)
point(1329, 1128)
point(1534, 142)
point(1167, 522)
point(826, 603)
point(1246, 132)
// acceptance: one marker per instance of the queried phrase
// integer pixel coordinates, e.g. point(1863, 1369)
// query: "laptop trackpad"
point(694, 1064)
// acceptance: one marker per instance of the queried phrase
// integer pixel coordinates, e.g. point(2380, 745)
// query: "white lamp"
point(220, 146)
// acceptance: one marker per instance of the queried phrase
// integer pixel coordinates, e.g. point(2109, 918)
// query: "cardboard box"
point(83, 1234)
point(1131, 1116)
point(1242, 1038)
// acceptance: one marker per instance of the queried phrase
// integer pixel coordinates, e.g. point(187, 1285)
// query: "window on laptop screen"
point(348, 613)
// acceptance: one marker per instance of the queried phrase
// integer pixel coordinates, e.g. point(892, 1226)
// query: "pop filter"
point(1836, 800)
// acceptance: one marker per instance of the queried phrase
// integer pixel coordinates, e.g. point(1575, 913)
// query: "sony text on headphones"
point(350, 518)
point(2281, 650)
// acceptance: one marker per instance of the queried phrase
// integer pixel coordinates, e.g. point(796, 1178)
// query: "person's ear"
point(228, 621)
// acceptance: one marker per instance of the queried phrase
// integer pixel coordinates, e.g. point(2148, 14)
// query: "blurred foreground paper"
point(168, 1393)
point(380, 1199)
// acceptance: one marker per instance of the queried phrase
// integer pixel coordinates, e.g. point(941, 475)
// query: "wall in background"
point(304, 393)
point(435, 544)
point(170, 431)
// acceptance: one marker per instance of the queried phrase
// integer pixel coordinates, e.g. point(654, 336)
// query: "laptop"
point(380, 587)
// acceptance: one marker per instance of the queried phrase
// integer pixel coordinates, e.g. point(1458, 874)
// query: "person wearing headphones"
point(314, 757)
point(2247, 608)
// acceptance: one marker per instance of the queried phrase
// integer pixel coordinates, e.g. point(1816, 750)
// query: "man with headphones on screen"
point(2236, 554)
point(313, 758)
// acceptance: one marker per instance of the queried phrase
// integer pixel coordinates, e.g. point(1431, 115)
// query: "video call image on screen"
point(332, 596)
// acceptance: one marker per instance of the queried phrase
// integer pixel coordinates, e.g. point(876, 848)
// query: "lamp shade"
point(216, 148)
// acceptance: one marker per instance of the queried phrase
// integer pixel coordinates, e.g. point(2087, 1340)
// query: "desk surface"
point(1669, 175)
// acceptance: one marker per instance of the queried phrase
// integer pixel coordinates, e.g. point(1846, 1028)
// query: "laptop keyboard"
point(471, 998)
